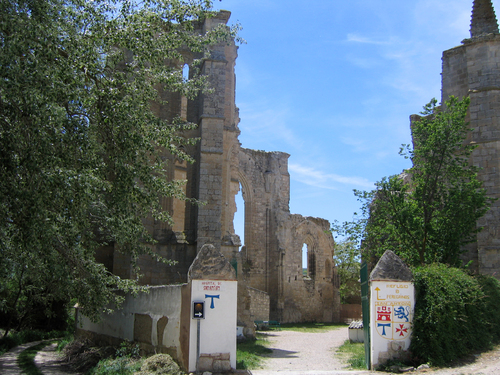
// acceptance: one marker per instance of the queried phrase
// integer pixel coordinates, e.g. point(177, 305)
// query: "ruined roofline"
point(287, 155)
point(483, 20)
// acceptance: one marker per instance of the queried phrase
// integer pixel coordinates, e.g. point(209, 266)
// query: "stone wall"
point(158, 321)
point(274, 238)
point(350, 312)
point(259, 304)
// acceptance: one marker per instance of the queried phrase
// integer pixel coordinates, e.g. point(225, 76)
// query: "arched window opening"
point(308, 262)
point(239, 216)
point(304, 260)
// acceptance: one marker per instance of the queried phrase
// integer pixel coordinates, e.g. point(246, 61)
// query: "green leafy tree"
point(348, 262)
point(429, 212)
point(80, 148)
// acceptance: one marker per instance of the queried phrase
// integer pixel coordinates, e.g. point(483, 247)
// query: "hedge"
point(456, 314)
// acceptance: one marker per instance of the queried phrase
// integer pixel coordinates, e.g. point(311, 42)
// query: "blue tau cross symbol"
point(212, 296)
point(383, 327)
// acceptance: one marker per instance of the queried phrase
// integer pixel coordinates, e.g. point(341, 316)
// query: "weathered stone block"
point(206, 363)
point(221, 365)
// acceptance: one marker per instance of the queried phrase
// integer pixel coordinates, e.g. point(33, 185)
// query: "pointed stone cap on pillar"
point(210, 264)
point(391, 267)
point(483, 19)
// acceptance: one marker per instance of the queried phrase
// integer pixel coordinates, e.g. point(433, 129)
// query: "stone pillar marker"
point(392, 302)
point(212, 339)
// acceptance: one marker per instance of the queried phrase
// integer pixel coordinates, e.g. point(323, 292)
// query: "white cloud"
point(270, 125)
point(355, 38)
point(358, 144)
point(320, 179)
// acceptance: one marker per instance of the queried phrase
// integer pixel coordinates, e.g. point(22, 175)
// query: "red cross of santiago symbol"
point(402, 331)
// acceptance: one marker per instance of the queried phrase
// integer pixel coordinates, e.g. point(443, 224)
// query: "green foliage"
point(117, 366)
point(81, 150)
point(354, 354)
point(348, 261)
point(160, 364)
point(126, 361)
point(491, 289)
point(428, 213)
point(249, 353)
point(63, 342)
point(452, 316)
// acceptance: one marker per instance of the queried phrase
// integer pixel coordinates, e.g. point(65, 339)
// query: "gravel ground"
point(49, 361)
point(294, 353)
point(297, 353)
point(300, 351)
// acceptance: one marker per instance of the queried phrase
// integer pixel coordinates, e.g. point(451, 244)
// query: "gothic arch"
point(247, 194)
point(319, 264)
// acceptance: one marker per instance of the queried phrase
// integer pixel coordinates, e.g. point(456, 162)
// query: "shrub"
point(491, 290)
point(160, 364)
point(9, 342)
point(117, 366)
point(451, 315)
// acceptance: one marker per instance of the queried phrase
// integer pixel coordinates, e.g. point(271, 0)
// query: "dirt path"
point(294, 353)
point(49, 361)
point(300, 351)
point(8, 361)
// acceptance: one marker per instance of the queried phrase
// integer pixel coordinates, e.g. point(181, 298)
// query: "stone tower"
point(473, 69)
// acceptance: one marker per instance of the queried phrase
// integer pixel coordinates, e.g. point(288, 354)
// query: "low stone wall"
point(157, 321)
point(259, 304)
point(348, 313)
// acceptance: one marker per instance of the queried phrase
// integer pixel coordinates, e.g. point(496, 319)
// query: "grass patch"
point(62, 343)
point(117, 366)
point(249, 354)
point(311, 327)
point(354, 354)
point(26, 359)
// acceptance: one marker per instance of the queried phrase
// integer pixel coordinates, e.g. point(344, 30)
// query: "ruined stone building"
point(473, 69)
point(269, 265)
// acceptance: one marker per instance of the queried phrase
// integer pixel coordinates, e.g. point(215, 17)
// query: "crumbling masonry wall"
point(270, 261)
point(274, 238)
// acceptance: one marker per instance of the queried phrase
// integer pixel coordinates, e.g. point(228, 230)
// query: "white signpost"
point(391, 315)
point(213, 324)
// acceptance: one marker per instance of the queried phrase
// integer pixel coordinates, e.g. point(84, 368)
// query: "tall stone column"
point(211, 155)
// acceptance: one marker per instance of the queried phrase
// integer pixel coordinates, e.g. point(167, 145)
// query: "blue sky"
point(333, 83)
